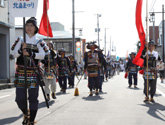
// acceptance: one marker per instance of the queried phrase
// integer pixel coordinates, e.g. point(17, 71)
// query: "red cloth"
point(139, 61)
point(44, 21)
point(126, 75)
point(141, 72)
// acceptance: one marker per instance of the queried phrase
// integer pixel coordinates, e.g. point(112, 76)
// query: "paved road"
point(117, 105)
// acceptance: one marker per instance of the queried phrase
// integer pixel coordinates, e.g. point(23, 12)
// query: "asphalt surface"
point(117, 105)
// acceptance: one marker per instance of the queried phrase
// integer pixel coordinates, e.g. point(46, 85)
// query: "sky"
point(118, 16)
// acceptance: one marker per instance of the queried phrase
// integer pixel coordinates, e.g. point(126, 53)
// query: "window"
point(2, 3)
point(160, 40)
point(66, 45)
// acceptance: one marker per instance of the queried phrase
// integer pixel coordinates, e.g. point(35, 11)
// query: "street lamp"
point(152, 19)
point(98, 29)
point(80, 32)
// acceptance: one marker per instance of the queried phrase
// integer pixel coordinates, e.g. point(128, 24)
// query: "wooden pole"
point(73, 28)
point(25, 68)
point(147, 42)
point(48, 37)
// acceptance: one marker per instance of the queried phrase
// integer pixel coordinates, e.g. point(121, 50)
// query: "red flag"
point(139, 61)
point(126, 75)
point(45, 29)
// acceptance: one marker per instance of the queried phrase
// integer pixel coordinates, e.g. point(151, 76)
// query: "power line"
point(152, 5)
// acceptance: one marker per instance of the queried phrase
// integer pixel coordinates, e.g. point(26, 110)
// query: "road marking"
point(4, 96)
point(46, 114)
point(161, 92)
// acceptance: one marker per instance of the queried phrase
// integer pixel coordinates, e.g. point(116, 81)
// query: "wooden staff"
point(25, 68)
point(48, 38)
point(147, 42)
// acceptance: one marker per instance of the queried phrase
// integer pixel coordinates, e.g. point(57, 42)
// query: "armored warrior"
point(63, 69)
point(102, 71)
point(34, 49)
point(152, 57)
point(73, 66)
point(49, 72)
point(132, 70)
point(117, 65)
point(92, 59)
point(108, 71)
point(113, 66)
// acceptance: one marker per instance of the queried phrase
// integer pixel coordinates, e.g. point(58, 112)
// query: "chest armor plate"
point(93, 59)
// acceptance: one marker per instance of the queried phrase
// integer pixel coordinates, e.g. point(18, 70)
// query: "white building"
point(7, 36)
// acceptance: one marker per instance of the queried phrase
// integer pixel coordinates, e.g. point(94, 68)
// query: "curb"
point(6, 85)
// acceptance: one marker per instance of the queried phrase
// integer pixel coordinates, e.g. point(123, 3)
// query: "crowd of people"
point(39, 62)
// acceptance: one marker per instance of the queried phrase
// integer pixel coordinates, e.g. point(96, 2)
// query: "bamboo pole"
point(48, 37)
point(147, 42)
point(25, 68)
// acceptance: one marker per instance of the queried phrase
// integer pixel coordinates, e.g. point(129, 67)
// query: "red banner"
point(139, 61)
point(45, 28)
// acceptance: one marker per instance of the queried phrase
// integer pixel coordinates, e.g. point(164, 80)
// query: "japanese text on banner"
point(23, 8)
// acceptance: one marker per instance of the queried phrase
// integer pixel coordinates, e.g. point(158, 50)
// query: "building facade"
point(60, 39)
point(6, 36)
point(161, 38)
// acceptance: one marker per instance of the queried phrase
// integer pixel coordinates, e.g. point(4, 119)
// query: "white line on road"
point(46, 114)
point(161, 92)
point(4, 96)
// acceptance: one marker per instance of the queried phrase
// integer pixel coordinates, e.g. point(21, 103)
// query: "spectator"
point(161, 67)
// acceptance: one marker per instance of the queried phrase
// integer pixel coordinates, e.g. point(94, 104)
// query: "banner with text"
point(23, 8)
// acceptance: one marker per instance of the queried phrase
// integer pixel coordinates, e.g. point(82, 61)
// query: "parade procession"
point(53, 74)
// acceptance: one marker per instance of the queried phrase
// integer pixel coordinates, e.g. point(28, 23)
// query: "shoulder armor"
point(15, 43)
point(43, 45)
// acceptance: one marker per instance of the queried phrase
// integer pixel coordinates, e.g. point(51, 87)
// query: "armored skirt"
point(32, 81)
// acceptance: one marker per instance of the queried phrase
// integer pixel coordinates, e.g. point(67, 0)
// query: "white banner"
point(23, 8)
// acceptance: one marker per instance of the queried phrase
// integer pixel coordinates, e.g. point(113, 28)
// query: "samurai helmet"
point(92, 43)
point(132, 53)
point(61, 50)
point(152, 42)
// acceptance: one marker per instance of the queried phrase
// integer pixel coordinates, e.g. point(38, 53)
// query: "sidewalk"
point(6, 85)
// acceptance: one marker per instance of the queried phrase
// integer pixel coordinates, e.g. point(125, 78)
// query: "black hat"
point(132, 53)
point(33, 20)
point(152, 43)
point(61, 50)
point(91, 44)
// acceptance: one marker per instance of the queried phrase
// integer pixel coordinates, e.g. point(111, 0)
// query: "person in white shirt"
point(35, 50)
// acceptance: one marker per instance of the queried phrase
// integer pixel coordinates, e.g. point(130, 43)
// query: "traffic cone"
point(76, 92)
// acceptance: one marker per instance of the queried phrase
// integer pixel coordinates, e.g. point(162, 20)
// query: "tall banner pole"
point(48, 35)
point(25, 67)
point(147, 42)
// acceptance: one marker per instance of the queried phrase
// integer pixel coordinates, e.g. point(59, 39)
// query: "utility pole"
point(73, 29)
point(110, 46)
point(163, 28)
point(98, 29)
point(105, 42)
